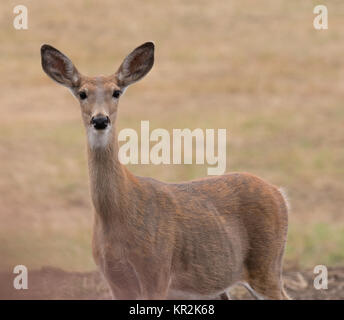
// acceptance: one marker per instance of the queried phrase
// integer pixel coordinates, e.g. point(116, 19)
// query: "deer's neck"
point(110, 182)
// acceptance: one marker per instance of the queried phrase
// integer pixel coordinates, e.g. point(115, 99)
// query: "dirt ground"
point(52, 283)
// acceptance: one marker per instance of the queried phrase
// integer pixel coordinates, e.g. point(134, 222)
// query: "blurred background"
point(257, 68)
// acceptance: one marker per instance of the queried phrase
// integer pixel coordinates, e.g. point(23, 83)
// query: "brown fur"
point(155, 240)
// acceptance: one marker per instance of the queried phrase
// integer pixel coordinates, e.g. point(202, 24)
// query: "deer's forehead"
point(97, 84)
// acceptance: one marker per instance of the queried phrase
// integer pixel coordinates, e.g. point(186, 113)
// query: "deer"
point(159, 240)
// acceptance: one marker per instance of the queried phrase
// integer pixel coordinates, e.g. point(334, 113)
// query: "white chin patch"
point(98, 138)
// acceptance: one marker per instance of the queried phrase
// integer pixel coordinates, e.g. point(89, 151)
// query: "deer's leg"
point(263, 263)
point(155, 285)
point(266, 290)
point(120, 292)
point(264, 276)
point(152, 276)
point(138, 286)
point(123, 281)
point(225, 296)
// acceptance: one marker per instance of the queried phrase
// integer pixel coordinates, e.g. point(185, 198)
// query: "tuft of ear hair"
point(59, 67)
point(136, 65)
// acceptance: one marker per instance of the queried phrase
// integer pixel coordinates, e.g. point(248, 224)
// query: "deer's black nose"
point(100, 122)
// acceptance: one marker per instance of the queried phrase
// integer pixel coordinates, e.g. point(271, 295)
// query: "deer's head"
point(98, 96)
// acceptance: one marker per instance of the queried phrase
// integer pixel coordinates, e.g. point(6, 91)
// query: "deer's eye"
point(82, 95)
point(116, 93)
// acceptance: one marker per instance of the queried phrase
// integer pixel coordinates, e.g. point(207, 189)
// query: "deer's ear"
point(136, 65)
point(59, 67)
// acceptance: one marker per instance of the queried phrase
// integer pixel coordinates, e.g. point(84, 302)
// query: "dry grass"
point(259, 70)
